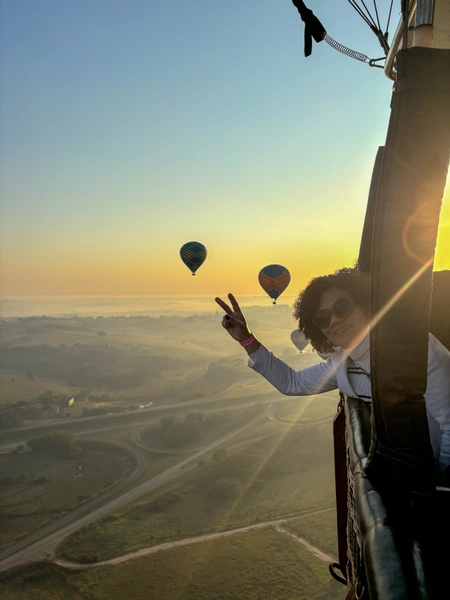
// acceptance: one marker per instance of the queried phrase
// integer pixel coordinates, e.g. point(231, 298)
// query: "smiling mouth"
point(341, 330)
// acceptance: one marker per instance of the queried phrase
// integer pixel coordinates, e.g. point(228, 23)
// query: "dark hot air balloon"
point(298, 339)
point(193, 255)
point(274, 279)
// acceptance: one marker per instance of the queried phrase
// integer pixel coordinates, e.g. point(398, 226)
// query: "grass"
point(136, 417)
point(257, 565)
point(37, 582)
point(213, 426)
point(198, 338)
point(155, 463)
point(15, 387)
point(319, 530)
point(41, 488)
point(255, 489)
point(273, 428)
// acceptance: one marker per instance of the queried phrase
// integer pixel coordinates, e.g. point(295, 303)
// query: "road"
point(138, 424)
point(277, 524)
point(46, 531)
point(36, 550)
point(45, 541)
point(220, 397)
point(255, 397)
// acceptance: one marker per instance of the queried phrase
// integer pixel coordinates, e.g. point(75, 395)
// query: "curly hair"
point(356, 283)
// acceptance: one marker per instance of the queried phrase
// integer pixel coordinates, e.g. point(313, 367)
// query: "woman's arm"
point(312, 380)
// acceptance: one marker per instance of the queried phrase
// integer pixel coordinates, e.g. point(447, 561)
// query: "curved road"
point(219, 397)
point(35, 547)
point(38, 549)
point(46, 531)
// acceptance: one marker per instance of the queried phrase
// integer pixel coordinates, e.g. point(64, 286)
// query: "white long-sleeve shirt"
point(349, 372)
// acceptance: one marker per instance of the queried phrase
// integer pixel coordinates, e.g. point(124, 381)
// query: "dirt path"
point(321, 555)
point(45, 546)
point(205, 538)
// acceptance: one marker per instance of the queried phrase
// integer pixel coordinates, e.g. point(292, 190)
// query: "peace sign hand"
point(234, 321)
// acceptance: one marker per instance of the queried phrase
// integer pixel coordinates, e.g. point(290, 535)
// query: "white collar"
point(360, 349)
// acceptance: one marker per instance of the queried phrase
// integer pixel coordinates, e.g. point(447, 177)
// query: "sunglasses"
point(342, 309)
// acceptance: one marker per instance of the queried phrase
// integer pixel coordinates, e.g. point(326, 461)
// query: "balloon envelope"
point(274, 279)
point(298, 339)
point(193, 255)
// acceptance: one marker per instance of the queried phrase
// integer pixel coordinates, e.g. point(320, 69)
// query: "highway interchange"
point(44, 542)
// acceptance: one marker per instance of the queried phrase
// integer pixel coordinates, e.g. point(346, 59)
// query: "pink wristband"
point(248, 341)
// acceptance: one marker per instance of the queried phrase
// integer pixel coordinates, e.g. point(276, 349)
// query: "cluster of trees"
point(224, 372)
point(10, 416)
point(174, 432)
point(58, 442)
point(13, 415)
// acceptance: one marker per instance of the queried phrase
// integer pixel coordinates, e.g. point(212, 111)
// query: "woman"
point(333, 313)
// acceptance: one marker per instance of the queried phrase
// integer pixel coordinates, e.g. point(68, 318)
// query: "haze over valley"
point(135, 441)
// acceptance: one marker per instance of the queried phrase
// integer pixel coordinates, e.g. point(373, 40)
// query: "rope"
point(375, 26)
point(315, 29)
point(376, 12)
point(367, 18)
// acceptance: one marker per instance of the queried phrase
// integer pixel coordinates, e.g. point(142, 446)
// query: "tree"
point(58, 442)
point(168, 421)
point(46, 398)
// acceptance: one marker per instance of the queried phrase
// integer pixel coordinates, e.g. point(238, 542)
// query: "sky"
point(130, 127)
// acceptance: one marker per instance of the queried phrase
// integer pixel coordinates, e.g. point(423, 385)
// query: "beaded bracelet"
point(248, 341)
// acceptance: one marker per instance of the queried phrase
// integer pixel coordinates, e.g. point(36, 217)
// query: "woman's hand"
point(233, 320)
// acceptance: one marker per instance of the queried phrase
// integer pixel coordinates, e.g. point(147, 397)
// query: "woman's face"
point(343, 331)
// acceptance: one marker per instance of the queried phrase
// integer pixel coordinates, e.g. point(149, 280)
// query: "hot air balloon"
point(274, 279)
point(298, 339)
point(193, 255)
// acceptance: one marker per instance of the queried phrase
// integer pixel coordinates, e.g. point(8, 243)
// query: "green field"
point(271, 471)
point(132, 360)
point(275, 477)
point(15, 387)
point(256, 565)
point(38, 488)
point(320, 530)
point(195, 429)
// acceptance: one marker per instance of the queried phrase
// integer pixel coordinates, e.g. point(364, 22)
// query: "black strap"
point(340, 578)
point(313, 27)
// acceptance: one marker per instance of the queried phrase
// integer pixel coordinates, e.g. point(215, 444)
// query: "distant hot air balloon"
point(298, 339)
point(274, 279)
point(193, 255)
